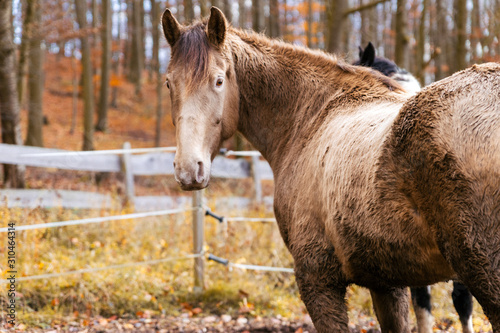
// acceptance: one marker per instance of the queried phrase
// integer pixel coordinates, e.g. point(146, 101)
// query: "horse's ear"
point(360, 49)
point(171, 28)
point(368, 56)
point(217, 26)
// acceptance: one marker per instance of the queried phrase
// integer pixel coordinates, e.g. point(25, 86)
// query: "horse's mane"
point(316, 57)
point(193, 44)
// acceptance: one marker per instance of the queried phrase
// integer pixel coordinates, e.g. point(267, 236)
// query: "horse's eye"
point(167, 83)
point(219, 82)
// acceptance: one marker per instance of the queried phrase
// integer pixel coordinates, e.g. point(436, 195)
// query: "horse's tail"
point(444, 154)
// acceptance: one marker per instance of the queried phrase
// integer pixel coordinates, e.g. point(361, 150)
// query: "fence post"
point(198, 240)
point(126, 165)
point(256, 178)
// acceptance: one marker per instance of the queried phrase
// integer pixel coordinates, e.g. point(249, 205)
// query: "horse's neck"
point(281, 89)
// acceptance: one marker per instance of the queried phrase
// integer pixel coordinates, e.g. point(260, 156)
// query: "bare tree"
point(203, 7)
point(35, 84)
point(217, 3)
point(368, 26)
point(155, 13)
point(23, 50)
point(258, 15)
point(476, 32)
point(440, 40)
point(422, 36)
point(137, 47)
point(88, 90)
point(188, 10)
point(309, 32)
point(9, 99)
point(401, 26)
point(102, 114)
point(227, 10)
point(334, 24)
point(461, 29)
point(242, 18)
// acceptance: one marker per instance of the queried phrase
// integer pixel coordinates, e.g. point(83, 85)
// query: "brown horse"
point(371, 187)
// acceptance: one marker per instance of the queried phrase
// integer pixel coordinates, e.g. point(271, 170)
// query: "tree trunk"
point(496, 28)
point(274, 18)
point(88, 90)
point(9, 99)
point(217, 3)
point(102, 116)
point(116, 59)
point(127, 52)
point(142, 34)
point(401, 26)
point(136, 52)
point(35, 85)
point(188, 11)
point(75, 88)
point(440, 40)
point(476, 32)
point(368, 26)
point(388, 44)
point(346, 35)
point(23, 51)
point(422, 35)
point(461, 29)
point(155, 13)
point(285, 31)
point(227, 9)
point(95, 22)
point(242, 18)
point(365, 28)
point(334, 25)
point(258, 15)
point(309, 32)
point(203, 8)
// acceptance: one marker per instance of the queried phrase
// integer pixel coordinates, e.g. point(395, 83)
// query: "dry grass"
point(158, 288)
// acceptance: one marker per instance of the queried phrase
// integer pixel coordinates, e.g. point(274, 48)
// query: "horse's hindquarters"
point(445, 153)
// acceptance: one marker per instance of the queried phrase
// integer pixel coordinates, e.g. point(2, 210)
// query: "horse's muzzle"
point(192, 176)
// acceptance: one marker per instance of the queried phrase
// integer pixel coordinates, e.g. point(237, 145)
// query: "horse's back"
point(454, 123)
point(444, 154)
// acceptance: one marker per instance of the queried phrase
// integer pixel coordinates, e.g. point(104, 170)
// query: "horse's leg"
point(462, 300)
point(421, 298)
point(318, 271)
point(324, 298)
point(392, 309)
point(325, 303)
point(474, 254)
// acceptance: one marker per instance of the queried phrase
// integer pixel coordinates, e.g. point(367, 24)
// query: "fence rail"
point(153, 162)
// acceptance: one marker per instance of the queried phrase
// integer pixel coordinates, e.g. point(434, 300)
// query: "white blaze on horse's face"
point(204, 95)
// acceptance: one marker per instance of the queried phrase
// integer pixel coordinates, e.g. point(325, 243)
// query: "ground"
point(188, 325)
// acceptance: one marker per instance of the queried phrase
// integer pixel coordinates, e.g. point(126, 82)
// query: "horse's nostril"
point(174, 164)
point(200, 173)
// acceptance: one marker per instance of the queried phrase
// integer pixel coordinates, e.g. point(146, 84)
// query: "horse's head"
point(204, 93)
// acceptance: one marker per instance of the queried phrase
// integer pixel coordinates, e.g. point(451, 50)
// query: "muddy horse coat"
point(371, 187)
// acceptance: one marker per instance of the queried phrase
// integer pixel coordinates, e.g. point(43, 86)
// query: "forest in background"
point(114, 43)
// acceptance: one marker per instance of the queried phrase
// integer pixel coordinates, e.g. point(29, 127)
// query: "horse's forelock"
point(192, 51)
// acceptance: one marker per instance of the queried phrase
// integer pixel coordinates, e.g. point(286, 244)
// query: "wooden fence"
point(129, 165)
